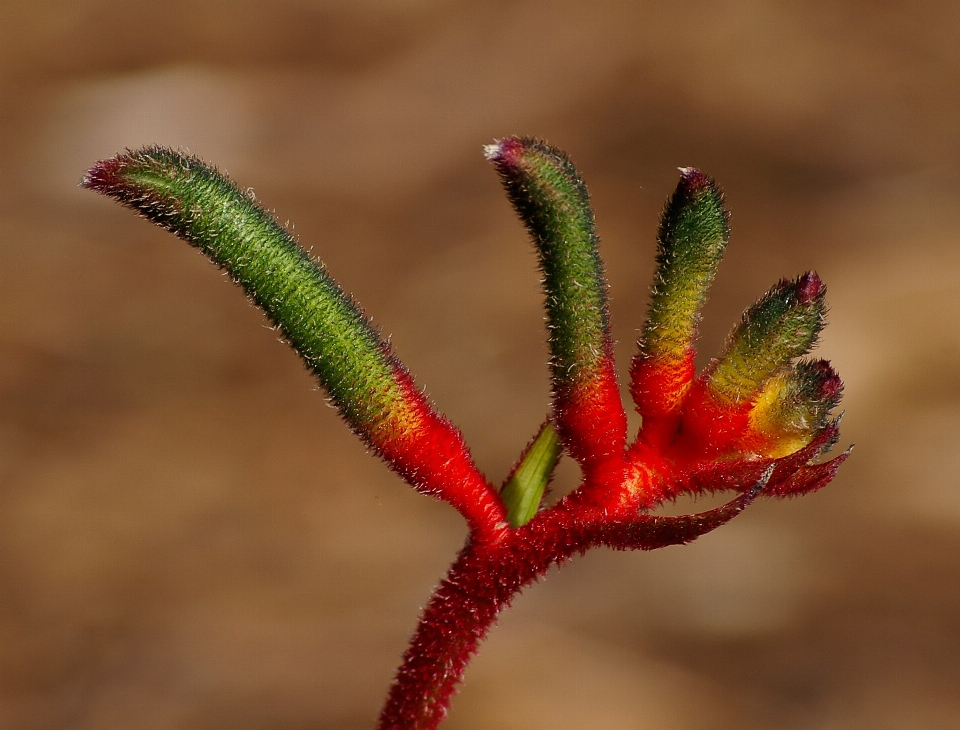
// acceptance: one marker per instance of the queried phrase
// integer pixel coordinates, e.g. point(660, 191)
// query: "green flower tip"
point(551, 199)
point(544, 186)
point(547, 177)
point(694, 230)
point(783, 325)
point(147, 178)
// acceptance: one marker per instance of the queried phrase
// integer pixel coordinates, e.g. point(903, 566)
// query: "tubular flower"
point(753, 423)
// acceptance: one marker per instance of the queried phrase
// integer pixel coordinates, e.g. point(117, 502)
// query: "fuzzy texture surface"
point(372, 390)
point(780, 327)
point(549, 196)
point(706, 434)
point(694, 231)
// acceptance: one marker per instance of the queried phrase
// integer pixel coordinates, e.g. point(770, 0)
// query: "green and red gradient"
point(550, 198)
point(753, 423)
point(719, 412)
point(690, 243)
point(754, 405)
point(373, 392)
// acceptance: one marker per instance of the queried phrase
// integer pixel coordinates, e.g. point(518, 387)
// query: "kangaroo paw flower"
point(551, 200)
point(692, 238)
point(369, 386)
point(754, 423)
point(782, 326)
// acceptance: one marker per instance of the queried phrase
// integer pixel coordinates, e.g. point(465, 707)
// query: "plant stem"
point(487, 575)
point(460, 612)
point(755, 420)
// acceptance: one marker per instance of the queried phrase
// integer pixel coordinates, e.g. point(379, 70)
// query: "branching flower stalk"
point(753, 423)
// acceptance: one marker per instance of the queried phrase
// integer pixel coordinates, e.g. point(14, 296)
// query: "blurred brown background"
point(189, 538)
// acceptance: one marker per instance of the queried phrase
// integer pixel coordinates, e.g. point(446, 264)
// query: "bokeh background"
point(189, 538)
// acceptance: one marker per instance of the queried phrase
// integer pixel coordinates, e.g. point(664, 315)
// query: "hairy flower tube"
point(753, 423)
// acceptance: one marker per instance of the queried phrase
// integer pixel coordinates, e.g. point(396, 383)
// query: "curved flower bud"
point(371, 389)
point(549, 196)
point(692, 238)
point(781, 326)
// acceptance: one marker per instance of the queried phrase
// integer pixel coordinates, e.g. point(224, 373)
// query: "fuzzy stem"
point(457, 618)
point(486, 577)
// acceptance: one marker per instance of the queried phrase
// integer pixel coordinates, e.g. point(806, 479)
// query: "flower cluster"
point(753, 422)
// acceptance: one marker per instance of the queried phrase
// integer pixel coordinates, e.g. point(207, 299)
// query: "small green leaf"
point(524, 487)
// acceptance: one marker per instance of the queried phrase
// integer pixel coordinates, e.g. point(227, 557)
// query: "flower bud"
point(794, 405)
point(692, 237)
point(780, 327)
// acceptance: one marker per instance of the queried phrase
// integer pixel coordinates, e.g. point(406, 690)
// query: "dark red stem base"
point(487, 575)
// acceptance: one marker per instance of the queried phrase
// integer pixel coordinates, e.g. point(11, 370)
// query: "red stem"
point(487, 575)
point(462, 609)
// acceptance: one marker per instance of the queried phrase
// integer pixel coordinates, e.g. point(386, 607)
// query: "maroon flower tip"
point(809, 478)
point(693, 180)
point(693, 189)
point(829, 384)
point(107, 175)
point(809, 288)
point(505, 151)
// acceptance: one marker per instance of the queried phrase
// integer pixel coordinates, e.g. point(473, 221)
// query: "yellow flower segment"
point(691, 241)
point(793, 407)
